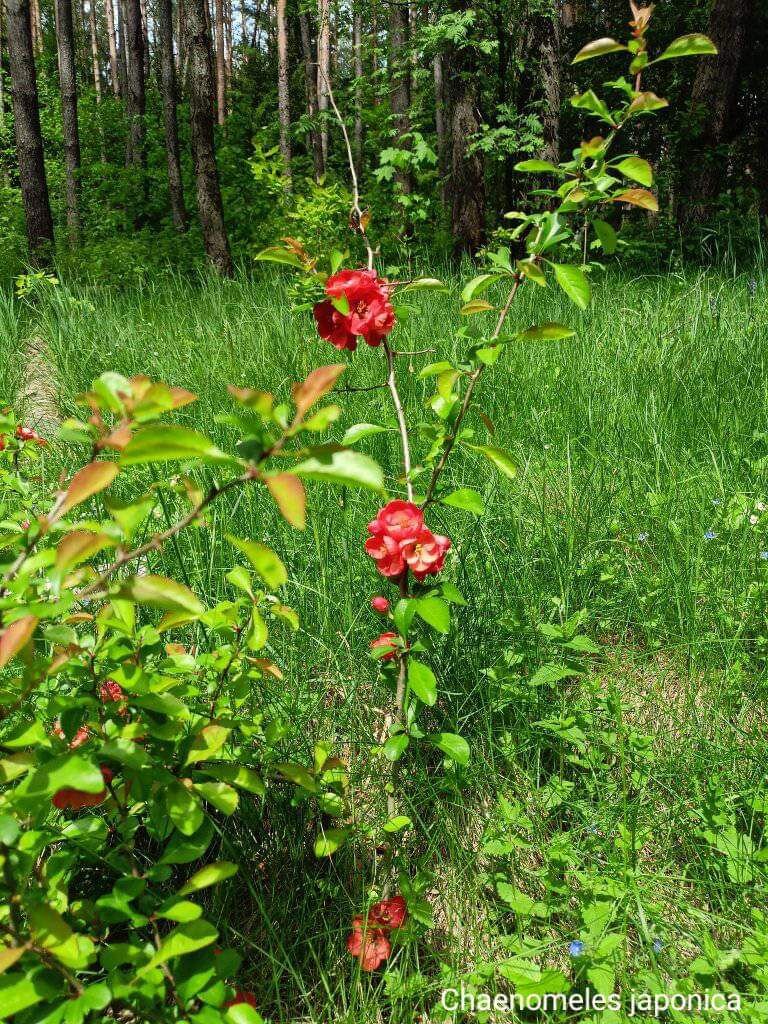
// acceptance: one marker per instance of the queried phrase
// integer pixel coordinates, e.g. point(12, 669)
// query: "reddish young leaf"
point(88, 481)
point(290, 498)
point(318, 383)
point(638, 197)
point(16, 636)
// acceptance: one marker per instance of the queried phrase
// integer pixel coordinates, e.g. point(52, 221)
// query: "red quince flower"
point(385, 646)
point(110, 691)
point(399, 540)
point(28, 434)
point(380, 604)
point(425, 553)
point(389, 913)
point(370, 945)
point(370, 314)
point(80, 737)
point(241, 997)
point(74, 799)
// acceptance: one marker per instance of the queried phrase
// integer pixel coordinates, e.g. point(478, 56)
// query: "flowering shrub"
point(129, 725)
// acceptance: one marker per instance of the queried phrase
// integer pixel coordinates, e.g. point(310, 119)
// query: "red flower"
point(370, 314)
point(384, 647)
point(368, 940)
point(370, 945)
point(389, 913)
point(110, 691)
point(28, 434)
point(425, 553)
point(240, 996)
point(2, 442)
point(399, 540)
point(77, 740)
point(380, 604)
point(73, 799)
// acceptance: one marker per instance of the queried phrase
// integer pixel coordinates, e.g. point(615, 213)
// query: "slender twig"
point(401, 423)
point(450, 441)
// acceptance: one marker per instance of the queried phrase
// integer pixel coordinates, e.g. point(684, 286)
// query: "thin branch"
point(401, 423)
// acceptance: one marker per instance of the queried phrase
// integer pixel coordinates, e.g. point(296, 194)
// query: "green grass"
point(635, 442)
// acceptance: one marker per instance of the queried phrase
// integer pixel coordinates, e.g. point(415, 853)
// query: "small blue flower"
point(576, 948)
point(764, 556)
point(658, 945)
point(710, 535)
point(642, 537)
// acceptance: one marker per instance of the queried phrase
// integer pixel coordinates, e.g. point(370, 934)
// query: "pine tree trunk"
point(221, 82)
point(466, 184)
point(310, 85)
point(122, 48)
point(201, 89)
point(145, 35)
point(95, 62)
point(357, 48)
point(440, 132)
point(170, 99)
point(228, 51)
point(283, 97)
point(323, 69)
point(135, 96)
point(112, 43)
point(37, 28)
point(400, 84)
point(714, 116)
point(552, 85)
point(65, 39)
point(29, 139)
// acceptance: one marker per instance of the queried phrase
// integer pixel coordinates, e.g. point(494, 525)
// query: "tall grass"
point(642, 448)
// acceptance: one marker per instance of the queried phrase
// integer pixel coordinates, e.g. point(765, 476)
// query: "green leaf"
point(238, 775)
point(574, 283)
point(20, 991)
point(537, 166)
point(183, 808)
point(186, 938)
point(263, 559)
point(606, 235)
point(397, 824)
point(466, 499)
point(500, 459)
point(159, 592)
point(546, 332)
point(395, 746)
point(421, 680)
point(65, 771)
point(549, 674)
point(223, 797)
point(694, 45)
point(243, 1013)
point(591, 102)
point(276, 254)
point(424, 284)
point(207, 743)
point(646, 101)
point(478, 285)
point(452, 745)
point(435, 613)
point(520, 902)
point(342, 467)
point(358, 431)
point(298, 775)
point(476, 306)
point(330, 840)
point(167, 443)
point(597, 48)
point(533, 272)
point(637, 169)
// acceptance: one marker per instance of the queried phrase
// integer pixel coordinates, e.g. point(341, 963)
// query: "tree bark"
point(323, 69)
point(221, 69)
point(65, 39)
point(95, 62)
point(135, 95)
point(201, 88)
point(29, 139)
point(357, 47)
point(714, 109)
point(37, 28)
point(170, 118)
point(400, 84)
point(466, 184)
point(145, 36)
point(122, 48)
point(112, 43)
point(283, 97)
point(552, 85)
point(310, 84)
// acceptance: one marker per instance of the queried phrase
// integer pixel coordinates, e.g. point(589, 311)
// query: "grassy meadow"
point(609, 669)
